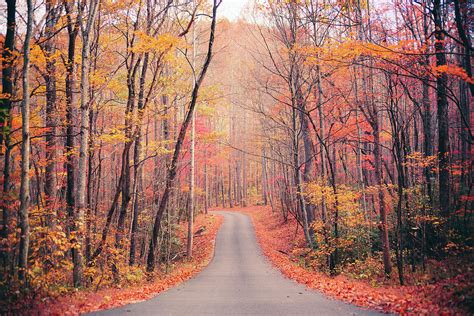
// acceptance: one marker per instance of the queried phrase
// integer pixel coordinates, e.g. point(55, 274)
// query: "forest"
point(126, 123)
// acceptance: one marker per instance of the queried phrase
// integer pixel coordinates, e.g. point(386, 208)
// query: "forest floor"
point(88, 300)
point(282, 244)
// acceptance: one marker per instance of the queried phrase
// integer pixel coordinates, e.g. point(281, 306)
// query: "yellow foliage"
point(161, 148)
point(114, 136)
point(345, 198)
point(48, 250)
point(36, 55)
point(162, 44)
point(345, 201)
point(212, 137)
point(419, 160)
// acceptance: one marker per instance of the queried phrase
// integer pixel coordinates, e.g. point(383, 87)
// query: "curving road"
point(238, 281)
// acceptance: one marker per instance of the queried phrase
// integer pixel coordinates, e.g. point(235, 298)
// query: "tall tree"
point(86, 29)
point(171, 175)
point(52, 16)
point(442, 104)
point(7, 71)
point(73, 19)
point(5, 106)
point(25, 150)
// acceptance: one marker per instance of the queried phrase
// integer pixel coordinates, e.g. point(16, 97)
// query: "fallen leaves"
point(277, 239)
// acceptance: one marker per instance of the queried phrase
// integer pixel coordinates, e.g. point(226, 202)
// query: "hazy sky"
point(231, 8)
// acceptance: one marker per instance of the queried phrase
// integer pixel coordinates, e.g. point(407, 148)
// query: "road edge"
point(84, 302)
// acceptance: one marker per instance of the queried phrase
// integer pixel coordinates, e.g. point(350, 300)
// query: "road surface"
point(238, 281)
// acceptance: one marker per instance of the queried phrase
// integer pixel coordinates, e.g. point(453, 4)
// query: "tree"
point(442, 104)
point(70, 163)
point(86, 28)
point(7, 71)
point(25, 151)
point(53, 10)
point(5, 107)
point(179, 142)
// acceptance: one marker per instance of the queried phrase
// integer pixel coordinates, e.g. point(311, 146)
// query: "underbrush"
point(371, 270)
point(444, 288)
point(109, 282)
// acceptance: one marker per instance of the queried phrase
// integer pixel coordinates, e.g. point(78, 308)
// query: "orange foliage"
point(276, 237)
point(88, 301)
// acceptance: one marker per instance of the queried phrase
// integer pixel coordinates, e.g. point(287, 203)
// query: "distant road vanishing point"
point(238, 281)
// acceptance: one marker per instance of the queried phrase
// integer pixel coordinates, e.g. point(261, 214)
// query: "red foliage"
point(275, 236)
point(88, 301)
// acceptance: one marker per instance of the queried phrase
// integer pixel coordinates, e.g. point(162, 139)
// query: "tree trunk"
point(7, 71)
point(73, 28)
point(308, 156)
point(443, 114)
point(298, 178)
point(182, 133)
point(189, 241)
point(84, 143)
point(125, 170)
point(322, 150)
point(138, 171)
point(427, 139)
point(50, 188)
point(206, 185)
point(264, 178)
point(25, 152)
point(5, 106)
point(383, 226)
point(462, 18)
point(229, 191)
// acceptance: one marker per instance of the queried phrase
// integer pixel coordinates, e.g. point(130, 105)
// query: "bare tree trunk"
point(25, 152)
point(189, 244)
point(229, 192)
point(125, 175)
point(461, 9)
point(138, 171)
point(334, 256)
point(5, 106)
point(189, 240)
point(264, 178)
point(322, 154)
point(244, 180)
point(84, 142)
point(298, 177)
point(50, 188)
point(380, 184)
point(182, 133)
point(73, 29)
point(221, 183)
point(7, 71)
point(462, 18)
point(398, 156)
point(443, 118)
point(137, 196)
point(427, 139)
point(91, 155)
point(308, 155)
point(206, 185)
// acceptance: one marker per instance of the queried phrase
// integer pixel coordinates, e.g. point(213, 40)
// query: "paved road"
point(238, 281)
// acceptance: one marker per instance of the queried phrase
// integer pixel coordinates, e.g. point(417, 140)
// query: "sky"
point(231, 8)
